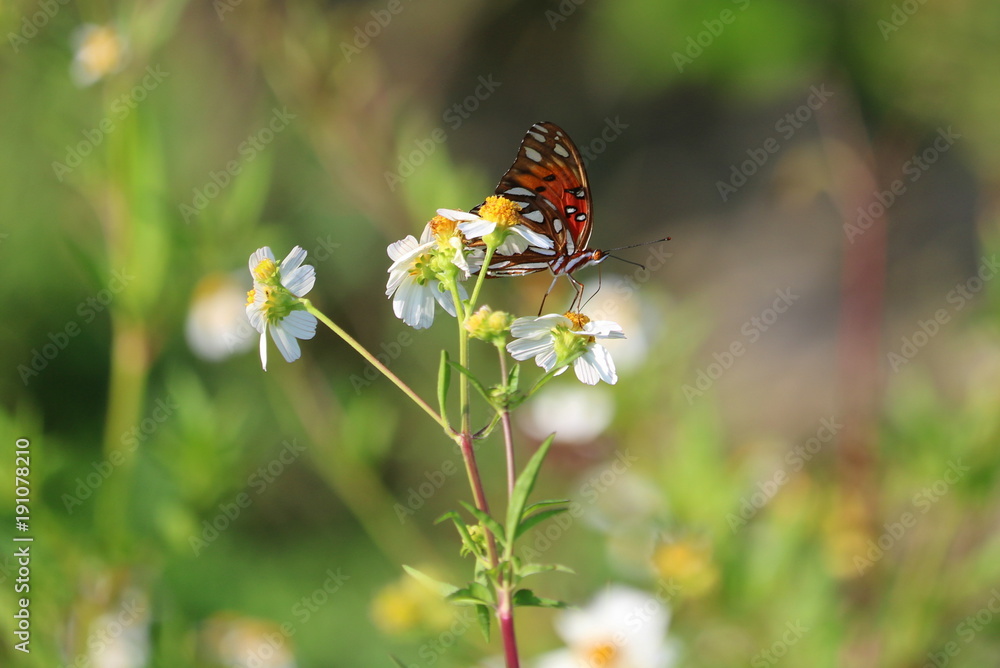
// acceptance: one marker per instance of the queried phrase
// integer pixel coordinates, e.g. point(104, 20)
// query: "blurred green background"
point(808, 398)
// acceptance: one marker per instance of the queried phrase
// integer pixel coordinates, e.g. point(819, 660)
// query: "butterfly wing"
point(548, 180)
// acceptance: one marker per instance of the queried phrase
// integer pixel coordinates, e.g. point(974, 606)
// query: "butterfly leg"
point(551, 285)
point(577, 303)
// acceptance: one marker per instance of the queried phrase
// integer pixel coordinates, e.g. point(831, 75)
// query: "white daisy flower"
point(621, 628)
point(557, 340)
point(274, 301)
point(415, 276)
point(503, 213)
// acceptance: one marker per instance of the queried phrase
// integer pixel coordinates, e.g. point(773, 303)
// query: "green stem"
point(508, 438)
point(361, 350)
point(481, 278)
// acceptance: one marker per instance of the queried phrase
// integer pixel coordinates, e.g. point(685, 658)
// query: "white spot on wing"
point(535, 216)
point(519, 190)
point(551, 204)
point(540, 128)
point(544, 251)
point(532, 154)
point(561, 150)
point(557, 225)
point(570, 244)
point(537, 136)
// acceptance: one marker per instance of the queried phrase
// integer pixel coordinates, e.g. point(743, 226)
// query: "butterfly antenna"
point(644, 243)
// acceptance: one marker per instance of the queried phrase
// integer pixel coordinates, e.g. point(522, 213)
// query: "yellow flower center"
point(579, 320)
point(601, 655)
point(443, 229)
point(503, 212)
point(250, 296)
point(264, 270)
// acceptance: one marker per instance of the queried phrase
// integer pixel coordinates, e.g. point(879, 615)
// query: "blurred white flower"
point(216, 324)
point(98, 52)
point(621, 628)
point(577, 414)
point(236, 641)
point(620, 301)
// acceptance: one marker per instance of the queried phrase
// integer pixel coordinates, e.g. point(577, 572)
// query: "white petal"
point(256, 317)
point(258, 256)
point(263, 349)
point(300, 280)
point(596, 364)
point(548, 360)
point(476, 228)
point(288, 346)
point(513, 245)
point(523, 348)
point(406, 259)
point(400, 248)
point(300, 324)
point(414, 305)
point(532, 326)
point(455, 214)
point(533, 238)
point(604, 329)
point(292, 261)
point(445, 299)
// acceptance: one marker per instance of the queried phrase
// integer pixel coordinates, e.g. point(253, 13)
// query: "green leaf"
point(538, 517)
point(474, 381)
point(526, 597)
point(469, 596)
point(534, 569)
point(484, 616)
point(522, 489)
point(442, 588)
point(444, 382)
point(396, 661)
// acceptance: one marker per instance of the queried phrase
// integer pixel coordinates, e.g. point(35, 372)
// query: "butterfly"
point(548, 181)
